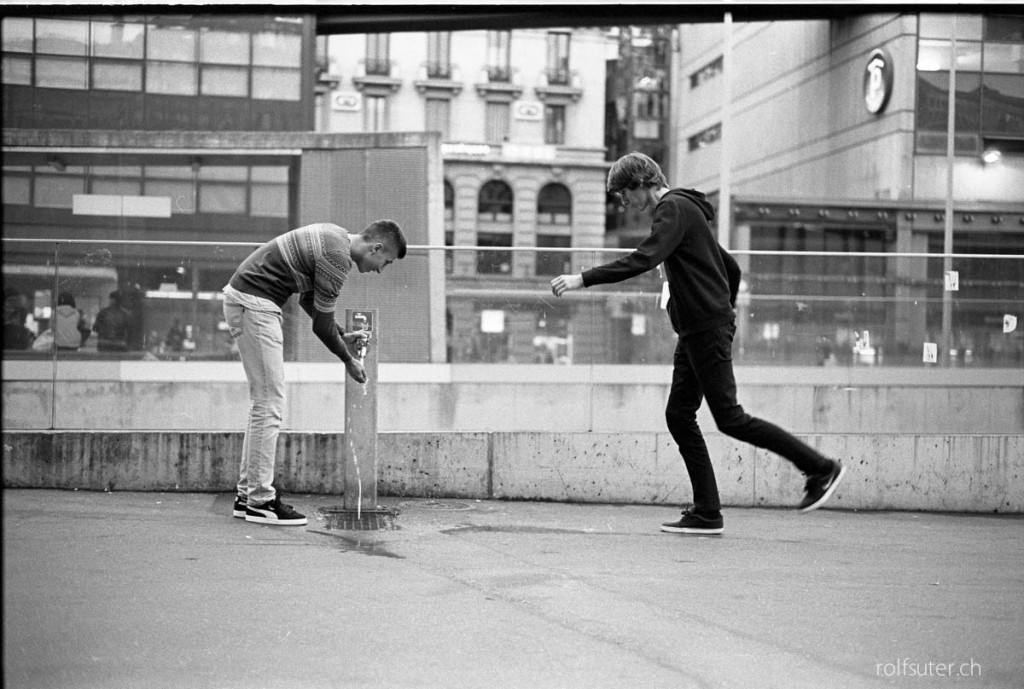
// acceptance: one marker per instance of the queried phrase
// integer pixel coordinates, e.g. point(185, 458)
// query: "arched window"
point(554, 205)
point(495, 202)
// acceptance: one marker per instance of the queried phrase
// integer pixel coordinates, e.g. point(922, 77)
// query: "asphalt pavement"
point(152, 590)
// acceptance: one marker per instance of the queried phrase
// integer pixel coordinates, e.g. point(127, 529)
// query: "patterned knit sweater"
point(315, 258)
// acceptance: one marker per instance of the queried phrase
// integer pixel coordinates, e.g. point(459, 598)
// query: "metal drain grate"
point(439, 505)
point(343, 519)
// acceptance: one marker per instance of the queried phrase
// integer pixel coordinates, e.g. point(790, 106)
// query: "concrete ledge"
point(963, 473)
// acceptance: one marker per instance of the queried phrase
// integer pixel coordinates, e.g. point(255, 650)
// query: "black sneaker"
point(239, 509)
point(820, 487)
point(274, 512)
point(693, 523)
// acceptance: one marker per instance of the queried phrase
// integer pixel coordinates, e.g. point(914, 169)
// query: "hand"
point(356, 337)
point(356, 371)
point(564, 283)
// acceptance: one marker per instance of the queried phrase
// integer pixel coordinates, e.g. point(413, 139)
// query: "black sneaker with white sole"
point(820, 487)
point(239, 509)
point(691, 522)
point(275, 513)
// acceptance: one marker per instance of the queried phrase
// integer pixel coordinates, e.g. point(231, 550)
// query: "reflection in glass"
point(62, 73)
point(118, 39)
point(171, 78)
point(17, 34)
point(276, 84)
point(61, 37)
point(117, 76)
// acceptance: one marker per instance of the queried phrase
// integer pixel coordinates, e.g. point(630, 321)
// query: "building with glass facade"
point(123, 133)
point(833, 138)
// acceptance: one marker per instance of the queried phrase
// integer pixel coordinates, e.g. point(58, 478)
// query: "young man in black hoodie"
point(703, 280)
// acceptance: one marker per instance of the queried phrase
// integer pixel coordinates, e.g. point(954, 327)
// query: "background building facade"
point(833, 137)
point(521, 116)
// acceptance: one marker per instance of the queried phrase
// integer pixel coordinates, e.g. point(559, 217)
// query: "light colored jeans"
point(256, 326)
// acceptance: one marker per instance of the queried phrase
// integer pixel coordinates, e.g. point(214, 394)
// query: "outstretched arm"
point(330, 333)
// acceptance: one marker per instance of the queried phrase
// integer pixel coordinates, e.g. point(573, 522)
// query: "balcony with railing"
point(560, 86)
point(377, 75)
point(500, 81)
point(439, 77)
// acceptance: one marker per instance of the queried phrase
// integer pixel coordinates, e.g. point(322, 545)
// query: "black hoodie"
point(702, 277)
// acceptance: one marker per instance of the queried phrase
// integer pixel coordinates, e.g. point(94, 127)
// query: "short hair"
point(65, 299)
point(387, 231)
point(635, 170)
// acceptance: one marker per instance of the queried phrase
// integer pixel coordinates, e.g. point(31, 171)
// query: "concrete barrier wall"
point(464, 397)
point(937, 472)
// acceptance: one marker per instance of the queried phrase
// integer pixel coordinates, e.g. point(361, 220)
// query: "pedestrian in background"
point(703, 280)
point(70, 330)
point(312, 261)
point(111, 326)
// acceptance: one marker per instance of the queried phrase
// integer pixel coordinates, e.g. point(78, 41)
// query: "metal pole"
point(360, 444)
point(947, 241)
point(725, 186)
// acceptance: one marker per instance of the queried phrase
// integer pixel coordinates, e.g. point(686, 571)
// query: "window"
point(62, 37)
point(554, 124)
point(705, 138)
point(277, 62)
point(378, 60)
point(175, 182)
point(160, 57)
point(449, 203)
point(438, 110)
point(375, 113)
point(439, 47)
point(171, 53)
point(554, 205)
point(269, 192)
point(61, 73)
point(17, 70)
point(17, 185)
point(496, 122)
point(495, 202)
point(706, 73)
point(115, 180)
point(55, 189)
point(989, 81)
point(494, 262)
point(499, 45)
point(554, 262)
point(118, 40)
point(225, 58)
point(558, 58)
point(17, 35)
point(117, 50)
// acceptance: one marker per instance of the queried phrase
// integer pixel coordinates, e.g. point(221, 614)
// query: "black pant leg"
point(684, 400)
point(711, 353)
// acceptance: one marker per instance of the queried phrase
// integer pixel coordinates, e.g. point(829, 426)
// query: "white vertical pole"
point(725, 173)
point(947, 243)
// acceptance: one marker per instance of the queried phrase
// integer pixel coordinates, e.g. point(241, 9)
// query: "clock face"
point(877, 81)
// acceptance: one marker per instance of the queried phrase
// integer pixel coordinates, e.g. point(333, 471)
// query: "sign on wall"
point(347, 101)
point(878, 81)
point(528, 110)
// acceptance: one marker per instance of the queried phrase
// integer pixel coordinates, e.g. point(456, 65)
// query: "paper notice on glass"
point(1009, 323)
point(952, 281)
point(931, 352)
